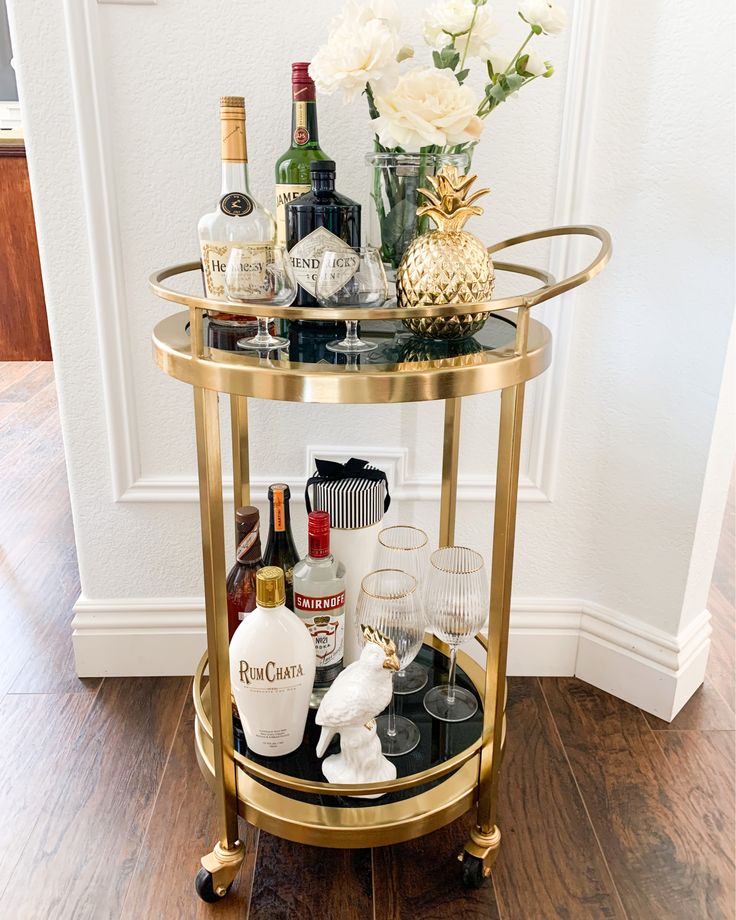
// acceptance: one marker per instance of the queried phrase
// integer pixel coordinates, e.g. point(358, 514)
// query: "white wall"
point(120, 106)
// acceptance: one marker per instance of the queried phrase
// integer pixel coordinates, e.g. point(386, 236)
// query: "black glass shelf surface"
point(439, 742)
point(308, 344)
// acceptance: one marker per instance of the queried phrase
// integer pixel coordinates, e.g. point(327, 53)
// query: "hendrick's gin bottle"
point(319, 220)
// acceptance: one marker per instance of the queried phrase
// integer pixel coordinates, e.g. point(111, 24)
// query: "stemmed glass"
point(456, 604)
point(260, 273)
point(406, 548)
point(389, 602)
point(351, 278)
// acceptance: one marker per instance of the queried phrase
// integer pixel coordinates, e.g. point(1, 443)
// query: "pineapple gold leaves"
point(449, 203)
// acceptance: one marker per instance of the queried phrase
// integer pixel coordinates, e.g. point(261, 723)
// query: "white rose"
point(451, 17)
point(535, 65)
point(427, 106)
point(548, 16)
point(356, 54)
point(385, 10)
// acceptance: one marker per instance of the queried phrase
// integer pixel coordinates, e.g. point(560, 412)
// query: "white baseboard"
point(549, 638)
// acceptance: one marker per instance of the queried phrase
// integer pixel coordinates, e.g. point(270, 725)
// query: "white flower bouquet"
point(424, 114)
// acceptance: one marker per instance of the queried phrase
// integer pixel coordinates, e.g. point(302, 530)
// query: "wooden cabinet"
point(24, 332)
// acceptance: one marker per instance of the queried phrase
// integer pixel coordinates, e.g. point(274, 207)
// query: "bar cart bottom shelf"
point(289, 798)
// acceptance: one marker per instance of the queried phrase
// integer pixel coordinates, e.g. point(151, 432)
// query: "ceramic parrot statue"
point(357, 696)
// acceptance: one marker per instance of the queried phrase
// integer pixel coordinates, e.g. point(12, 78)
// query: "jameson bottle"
point(292, 167)
point(281, 550)
point(319, 600)
point(241, 582)
point(238, 219)
point(319, 220)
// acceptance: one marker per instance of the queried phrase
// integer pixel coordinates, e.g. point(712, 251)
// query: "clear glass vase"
point(393, 181)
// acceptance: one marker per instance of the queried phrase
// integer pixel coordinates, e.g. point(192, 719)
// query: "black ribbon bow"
point(331, 471)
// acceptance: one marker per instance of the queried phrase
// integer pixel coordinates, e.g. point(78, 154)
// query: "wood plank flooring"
point(606, 812)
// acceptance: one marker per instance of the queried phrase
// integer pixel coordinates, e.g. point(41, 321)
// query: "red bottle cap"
point(318, 530)
point(302, 84)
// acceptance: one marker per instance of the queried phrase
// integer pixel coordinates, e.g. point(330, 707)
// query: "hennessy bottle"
point(237, 219)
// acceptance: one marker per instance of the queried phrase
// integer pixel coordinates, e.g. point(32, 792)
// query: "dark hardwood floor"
point(606, 812)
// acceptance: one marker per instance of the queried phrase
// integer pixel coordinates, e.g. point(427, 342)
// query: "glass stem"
point(392, 713)
point(451, 678)
point(352, 336)
point(263, 333)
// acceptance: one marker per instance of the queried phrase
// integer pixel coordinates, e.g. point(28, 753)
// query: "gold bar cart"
point(419, 802)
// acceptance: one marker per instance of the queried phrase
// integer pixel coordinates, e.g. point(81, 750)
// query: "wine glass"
point(456, 604)
point(351, 278)
point(406, 548)
point(389, 602)
point(260, 273)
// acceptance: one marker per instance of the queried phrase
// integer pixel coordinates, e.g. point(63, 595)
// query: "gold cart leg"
point(448, 495)
point(485, 838)
point(225, 859)
point(241, 460)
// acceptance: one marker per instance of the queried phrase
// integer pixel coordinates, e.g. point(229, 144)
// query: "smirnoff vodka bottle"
point(319, 599)
point(272, 670)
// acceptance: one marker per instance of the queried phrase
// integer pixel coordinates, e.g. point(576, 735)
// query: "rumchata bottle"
point(272, 670)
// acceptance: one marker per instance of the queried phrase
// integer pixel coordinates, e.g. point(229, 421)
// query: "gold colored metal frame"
point(472, 777)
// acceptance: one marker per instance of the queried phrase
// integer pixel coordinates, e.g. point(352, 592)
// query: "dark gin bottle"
point(319, 220)
point(292, 168)
point(241, 582)
point(281, 550)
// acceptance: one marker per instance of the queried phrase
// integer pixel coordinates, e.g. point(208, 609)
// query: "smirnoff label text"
point(324, 617)
point(332, 603)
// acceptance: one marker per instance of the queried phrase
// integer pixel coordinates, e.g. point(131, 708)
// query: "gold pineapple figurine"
point(446, 265)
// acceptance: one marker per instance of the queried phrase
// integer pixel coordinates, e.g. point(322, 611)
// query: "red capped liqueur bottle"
point(319, 601)
point(319, 220)
point(241, 582)
point(292, 168)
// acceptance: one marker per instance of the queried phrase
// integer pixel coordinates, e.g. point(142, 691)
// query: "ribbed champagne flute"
point(389, 602)
point(456, 606)
point(406, 548)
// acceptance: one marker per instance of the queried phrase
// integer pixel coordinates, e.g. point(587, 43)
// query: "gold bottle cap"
point(270, 586)
point(232, 102)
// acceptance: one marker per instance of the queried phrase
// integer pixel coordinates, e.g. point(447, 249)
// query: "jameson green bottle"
point(292, 168)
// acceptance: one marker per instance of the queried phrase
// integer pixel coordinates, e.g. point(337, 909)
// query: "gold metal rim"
point(360, 826)
point(474, 671)
point(463, 571)
point(405, 549)
point(549, 288)
point(392, 596)
point(247, 375)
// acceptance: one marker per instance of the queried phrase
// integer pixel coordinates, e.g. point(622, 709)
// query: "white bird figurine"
point(357, 696)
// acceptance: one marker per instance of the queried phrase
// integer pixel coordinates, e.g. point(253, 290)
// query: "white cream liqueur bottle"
point(272, 667)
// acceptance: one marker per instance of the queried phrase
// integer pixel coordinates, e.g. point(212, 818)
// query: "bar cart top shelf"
point(511, 347)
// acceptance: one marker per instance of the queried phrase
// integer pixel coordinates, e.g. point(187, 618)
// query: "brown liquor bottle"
point(241, 582)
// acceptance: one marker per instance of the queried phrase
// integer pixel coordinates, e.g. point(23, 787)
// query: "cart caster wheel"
point(474, 873)
point(206, 889)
